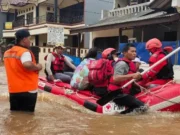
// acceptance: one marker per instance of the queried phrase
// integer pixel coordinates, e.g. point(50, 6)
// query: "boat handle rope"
point(151, 93)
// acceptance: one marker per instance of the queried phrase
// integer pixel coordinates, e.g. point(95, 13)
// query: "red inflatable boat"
point(161, 98)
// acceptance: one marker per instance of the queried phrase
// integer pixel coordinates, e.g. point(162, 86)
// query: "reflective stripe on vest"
point(19, 78)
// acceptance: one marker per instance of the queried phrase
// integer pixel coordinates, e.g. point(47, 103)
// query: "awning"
point(129, 21)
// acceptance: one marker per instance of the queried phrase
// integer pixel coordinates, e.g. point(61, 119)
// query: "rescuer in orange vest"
point(22, 73)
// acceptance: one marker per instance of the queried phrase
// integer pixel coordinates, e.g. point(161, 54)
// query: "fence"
point(72, 52)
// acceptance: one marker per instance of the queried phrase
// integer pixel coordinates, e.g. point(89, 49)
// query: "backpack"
point(100, 72)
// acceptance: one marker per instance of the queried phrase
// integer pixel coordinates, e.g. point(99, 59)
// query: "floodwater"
point(56, 115)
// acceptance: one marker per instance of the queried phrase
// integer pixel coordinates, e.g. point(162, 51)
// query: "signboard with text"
point(55, 35)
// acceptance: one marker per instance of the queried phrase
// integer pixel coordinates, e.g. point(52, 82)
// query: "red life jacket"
point(132, 69)
point(57, 66)
point(100, 72)
point(167, 71)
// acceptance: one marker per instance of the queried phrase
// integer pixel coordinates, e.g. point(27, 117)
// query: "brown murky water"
point(56, 115)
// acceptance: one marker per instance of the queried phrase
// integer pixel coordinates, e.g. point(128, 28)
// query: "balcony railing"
point(49, 19)
point(129, 10)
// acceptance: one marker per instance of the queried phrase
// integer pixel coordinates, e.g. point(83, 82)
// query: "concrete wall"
point(32, 40)
point(42, 10)
point(42, 39)
point(93, 14)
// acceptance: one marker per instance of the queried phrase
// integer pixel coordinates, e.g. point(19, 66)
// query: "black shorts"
point(22, 101)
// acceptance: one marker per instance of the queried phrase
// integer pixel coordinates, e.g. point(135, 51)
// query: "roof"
point(160, 4)
point(128, 21)
point(18, 3)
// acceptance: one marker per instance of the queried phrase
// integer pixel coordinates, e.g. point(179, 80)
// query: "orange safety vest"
point(19, 78)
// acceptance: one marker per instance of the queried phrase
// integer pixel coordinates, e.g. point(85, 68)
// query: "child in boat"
point(80, 77)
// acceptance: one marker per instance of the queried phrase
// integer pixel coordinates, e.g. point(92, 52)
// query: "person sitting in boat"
point(100, 71)
point(55, 65)
point(162, 73)
point(123, 71)
point(80, 78)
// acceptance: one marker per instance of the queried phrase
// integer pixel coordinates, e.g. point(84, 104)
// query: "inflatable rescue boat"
point(161, 98)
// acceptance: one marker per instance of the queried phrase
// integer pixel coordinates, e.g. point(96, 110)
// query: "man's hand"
point(137, 76)
point(51, 78)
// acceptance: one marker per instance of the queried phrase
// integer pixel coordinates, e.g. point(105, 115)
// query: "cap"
point(60, 45)
point(20, 34)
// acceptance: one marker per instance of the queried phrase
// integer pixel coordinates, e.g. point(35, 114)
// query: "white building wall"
point(42, 39)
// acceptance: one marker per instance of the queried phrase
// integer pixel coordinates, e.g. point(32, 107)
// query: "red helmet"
point(168, 49)
point(106, 52)
point(153, 43)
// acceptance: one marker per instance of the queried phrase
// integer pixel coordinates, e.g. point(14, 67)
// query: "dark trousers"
point(24, 101)
point(126, 100)
point(100, 91)
point(129, 101)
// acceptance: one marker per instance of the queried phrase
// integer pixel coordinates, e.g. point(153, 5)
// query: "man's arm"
point(69, 63)
point(48, 64)
point(121, 73)
point(156, 69)
point(26, 60)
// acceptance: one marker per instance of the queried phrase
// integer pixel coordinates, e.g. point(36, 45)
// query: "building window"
point(20, 21)
point(50, 17)
point(72, 14)
point(48, 8)
point(30, 18)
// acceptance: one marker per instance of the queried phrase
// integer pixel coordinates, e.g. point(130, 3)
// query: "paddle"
point(111, 95)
